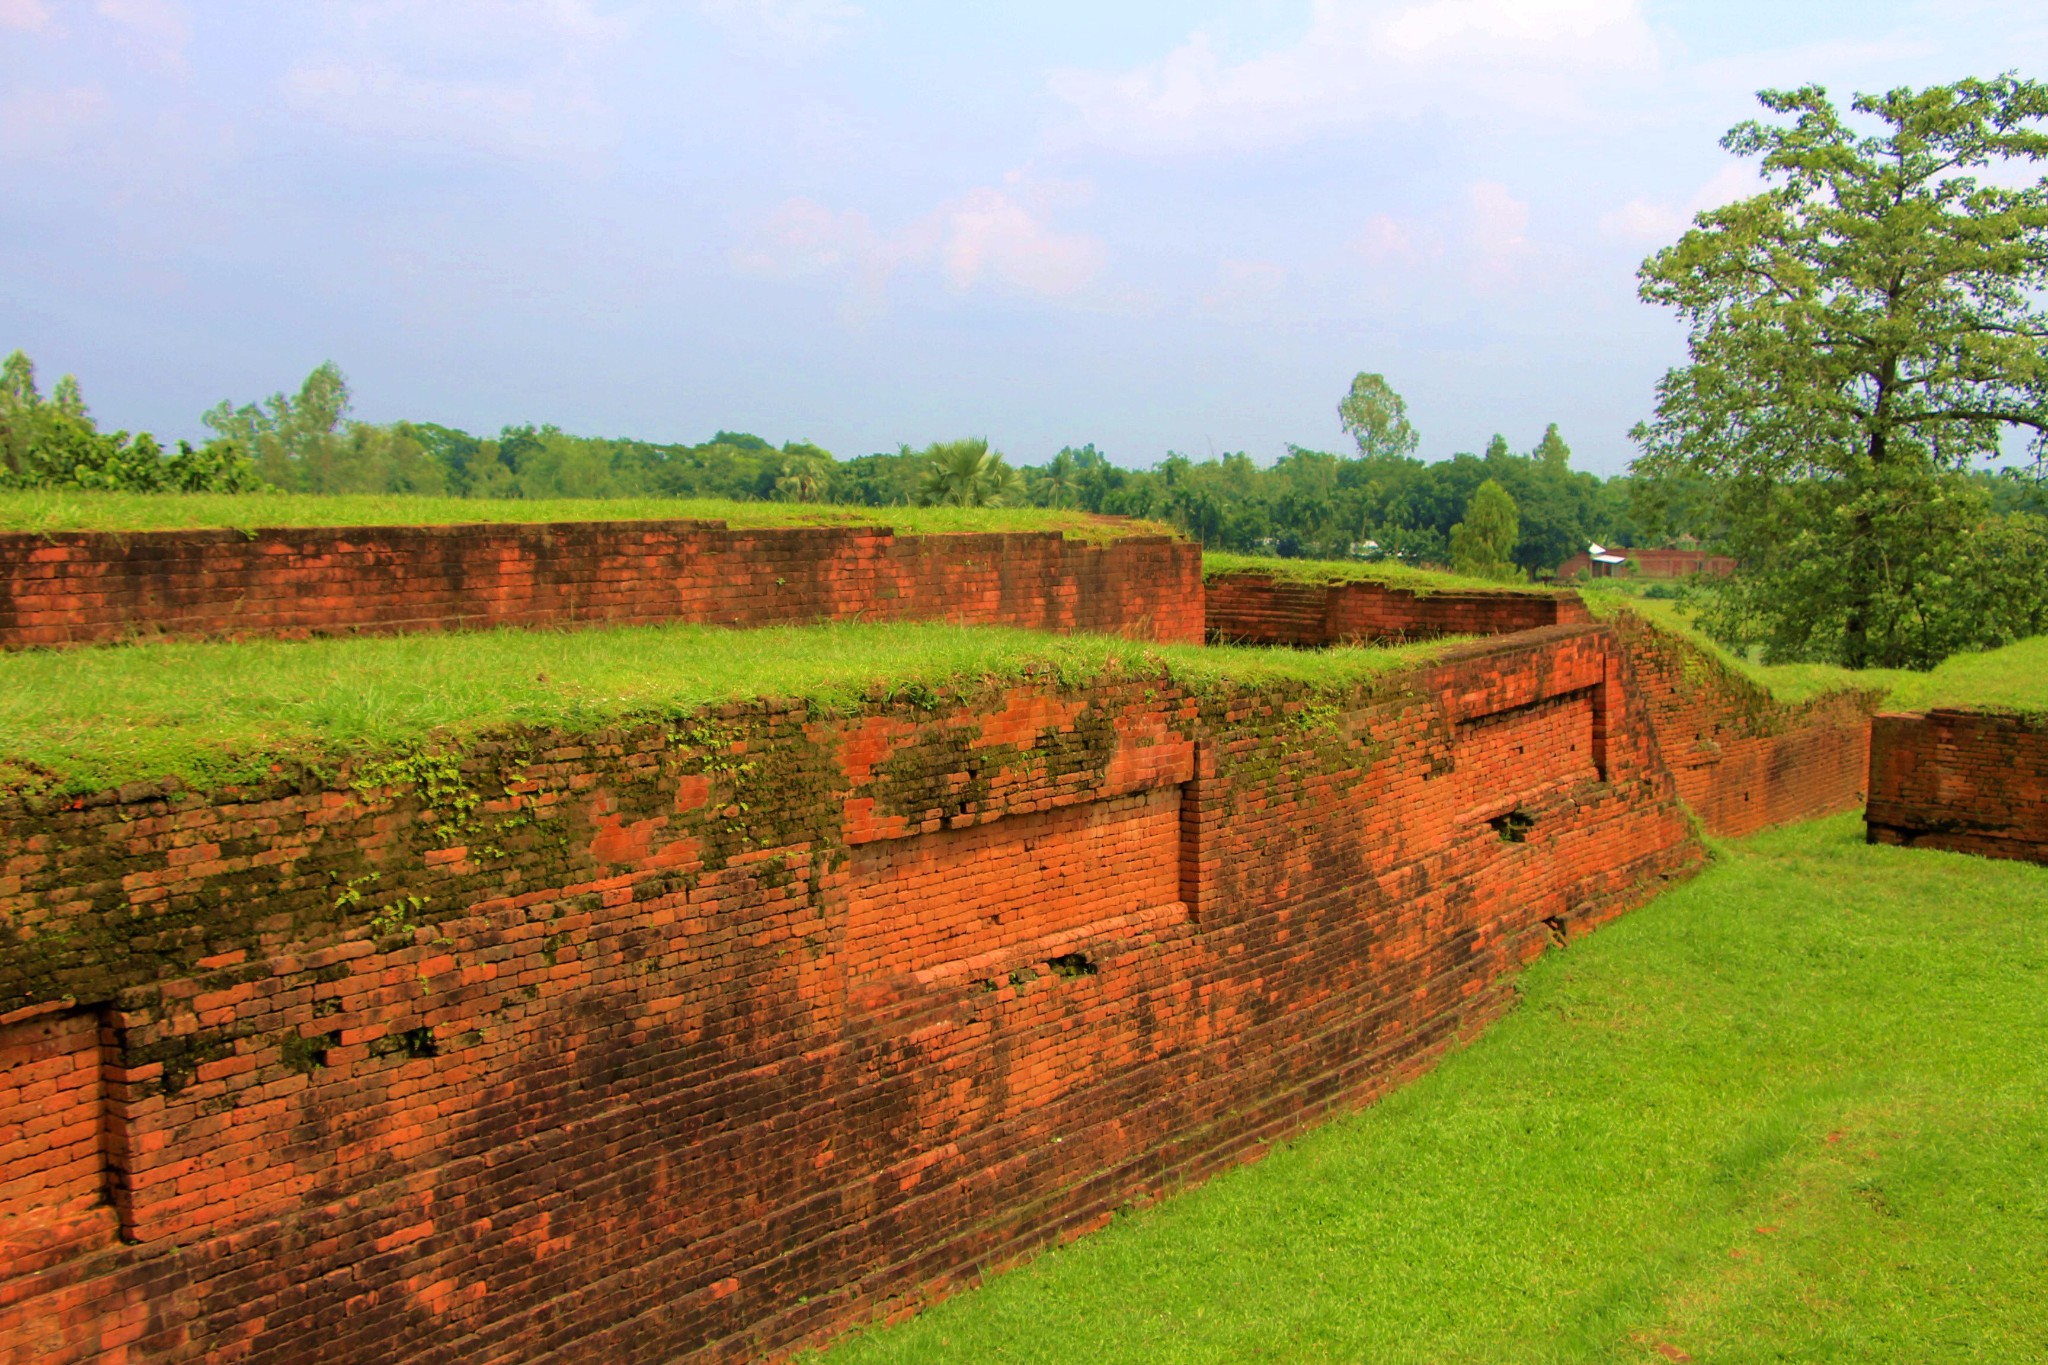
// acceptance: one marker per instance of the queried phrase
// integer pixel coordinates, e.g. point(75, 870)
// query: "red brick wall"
point(77, 588)
point(1970, 781)
point(718, 1036)
point(52, 1169)
point(1744, 761)
point(1257, 609)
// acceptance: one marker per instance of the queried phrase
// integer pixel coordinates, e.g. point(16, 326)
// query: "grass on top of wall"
point(54, 510)
point(2014, 678)
point(1796, 1109)
point(211, 714)
point(1389, 572)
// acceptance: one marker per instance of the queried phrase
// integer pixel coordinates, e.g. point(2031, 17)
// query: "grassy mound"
point(73, 510)
point(1794, 1110)
point(212, 714)
point(1394, 575)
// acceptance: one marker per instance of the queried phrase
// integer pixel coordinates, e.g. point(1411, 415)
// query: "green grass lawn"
point(1794, 1110)
point(214, 713)
point(74, 510)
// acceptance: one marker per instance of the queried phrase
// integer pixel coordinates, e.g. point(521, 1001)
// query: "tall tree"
point(297, 442)
point(1377, 418)
point(1862, 333)
point(1483, 544)
point(1552, 453)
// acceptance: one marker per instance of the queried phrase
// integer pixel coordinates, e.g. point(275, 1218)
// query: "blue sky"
point(1150, 226)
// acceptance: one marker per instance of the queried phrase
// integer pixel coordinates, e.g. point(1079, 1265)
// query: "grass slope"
point(2015, 677)
point(55, 510)
point(1794, 1110)
point(209, 714)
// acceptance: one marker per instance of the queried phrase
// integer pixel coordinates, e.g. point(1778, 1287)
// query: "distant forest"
point(1379, 501)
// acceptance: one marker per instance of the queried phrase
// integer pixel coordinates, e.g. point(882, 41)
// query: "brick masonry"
point(711, 1038)
point(80, 588)
point(1964, 780)
point(1259, 609)
point(1743, 760)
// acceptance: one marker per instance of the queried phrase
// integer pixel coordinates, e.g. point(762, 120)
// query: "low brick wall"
point(1261, 609)
point(1964, 780)
point(83, 588)
point(1743, 760)
point(708, 1038)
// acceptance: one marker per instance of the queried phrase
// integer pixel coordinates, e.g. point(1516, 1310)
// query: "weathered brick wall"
point(78, 588)
point(717, 1036)
point(1743, 760)
point(1259, 609)
point(1969, 781)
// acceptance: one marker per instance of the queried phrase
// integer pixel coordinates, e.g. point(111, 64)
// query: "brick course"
point(1965, 780)
point(92, 587)
point(713, 1037)
point(1261, 609)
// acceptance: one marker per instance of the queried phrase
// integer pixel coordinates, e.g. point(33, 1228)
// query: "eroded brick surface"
point(1964, 780)
point(712, 1037)
point(78, 588)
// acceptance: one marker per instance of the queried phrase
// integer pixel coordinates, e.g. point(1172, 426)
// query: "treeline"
point(1378, 502)
point(1524, 512)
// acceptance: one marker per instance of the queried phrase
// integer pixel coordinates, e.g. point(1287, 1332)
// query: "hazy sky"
point(1151, 226)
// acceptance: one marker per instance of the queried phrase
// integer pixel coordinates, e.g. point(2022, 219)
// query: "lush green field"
point(74, 510)
point(1794, 1110)
point(1385, 571)
point(79, 720)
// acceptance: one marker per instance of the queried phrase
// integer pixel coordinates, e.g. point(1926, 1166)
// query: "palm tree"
point(967, 474)
point(803, 479)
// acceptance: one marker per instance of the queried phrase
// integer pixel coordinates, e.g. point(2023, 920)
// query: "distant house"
point(1600, 562)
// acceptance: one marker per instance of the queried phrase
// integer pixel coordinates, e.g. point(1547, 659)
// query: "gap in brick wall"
point(59, 1139)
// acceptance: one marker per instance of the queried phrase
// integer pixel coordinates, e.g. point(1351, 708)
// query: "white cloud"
point(1244, 288)
point(1500, 222)
point(513, 78)
point(160, 28)
point(988, 237)
point(1388, 240)
point(479, 28)
point(1364, 60)
point(1644, 220)
point(806, 238)
point(51, 125)
point(793, 23)
point(27, 16)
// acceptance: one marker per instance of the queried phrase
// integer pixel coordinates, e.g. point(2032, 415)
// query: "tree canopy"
point(1483, 544)
point(1377, 418)
point(1865, 332)
point(54, 443)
